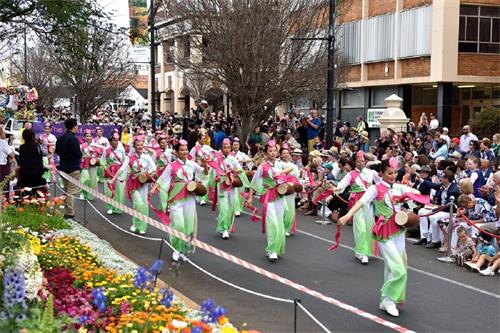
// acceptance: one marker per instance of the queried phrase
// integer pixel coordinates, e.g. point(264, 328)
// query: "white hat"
point(204, 102)
point(445, 129)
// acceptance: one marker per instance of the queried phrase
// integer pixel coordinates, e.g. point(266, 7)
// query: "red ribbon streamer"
point(163, 216)
point(337, 238)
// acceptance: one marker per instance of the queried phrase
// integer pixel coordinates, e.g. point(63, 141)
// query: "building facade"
point(440, 56)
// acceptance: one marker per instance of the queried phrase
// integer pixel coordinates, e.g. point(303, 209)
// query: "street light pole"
point(152, 63)
point(25, 59)
point(330, 78)
point(330, 73)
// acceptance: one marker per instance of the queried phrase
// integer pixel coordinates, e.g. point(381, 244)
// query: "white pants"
point(429, 227)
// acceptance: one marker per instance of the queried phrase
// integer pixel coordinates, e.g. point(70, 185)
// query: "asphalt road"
point(440, 297)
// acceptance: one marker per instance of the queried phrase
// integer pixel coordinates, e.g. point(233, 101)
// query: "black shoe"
point(421, 241)
point(433, 245)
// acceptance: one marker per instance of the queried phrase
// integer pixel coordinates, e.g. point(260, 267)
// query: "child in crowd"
point(494, 265)
point(465, 248)
point(485, 252)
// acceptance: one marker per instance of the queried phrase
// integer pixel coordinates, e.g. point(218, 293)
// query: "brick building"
point(440, 56)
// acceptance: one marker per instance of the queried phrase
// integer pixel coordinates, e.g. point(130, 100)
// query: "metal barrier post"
point(448, 258)
point(324, 220)
point(295, 306)
point(84, 212)
point(159, 256)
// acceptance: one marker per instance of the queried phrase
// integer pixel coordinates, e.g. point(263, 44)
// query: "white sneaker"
point(388, 306)
point(142, 232)
point(203, 203)
point(109, 212)
point(487, 272)
point(273, 256)
point(175, 256)
point(287, 234)
point(364, 260)
point(82, 197)
point(225, 235)
point(358, 256)
point(132, 228)
point(183, 257)
point(237, 214)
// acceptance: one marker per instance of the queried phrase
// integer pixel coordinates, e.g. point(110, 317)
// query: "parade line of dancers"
point(229, 179)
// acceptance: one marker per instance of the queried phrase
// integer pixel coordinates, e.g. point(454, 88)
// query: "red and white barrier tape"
point(236, 260)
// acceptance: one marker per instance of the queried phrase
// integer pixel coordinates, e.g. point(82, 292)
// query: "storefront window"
point(424, 96)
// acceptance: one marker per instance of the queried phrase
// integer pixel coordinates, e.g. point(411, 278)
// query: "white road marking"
point(439, 277)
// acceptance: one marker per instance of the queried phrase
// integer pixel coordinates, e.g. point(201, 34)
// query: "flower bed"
point(57, 276)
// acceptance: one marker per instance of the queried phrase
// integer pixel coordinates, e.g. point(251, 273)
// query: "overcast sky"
point(119, 11)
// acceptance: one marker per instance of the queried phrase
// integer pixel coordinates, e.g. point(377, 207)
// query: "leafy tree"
point(46, 16)
point(246, 46)
point(486, 123)
point(93, 63)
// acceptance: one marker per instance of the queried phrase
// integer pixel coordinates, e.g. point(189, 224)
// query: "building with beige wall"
point(440, 56)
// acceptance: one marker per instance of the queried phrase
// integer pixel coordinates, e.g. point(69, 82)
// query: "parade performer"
point(49, 140)
point(359, 180)
point(162, 156)
point(115, 164)
point(100, 143)
point(182, 204)
point(289, 218)
point(141, 171)
point(224, 168)
point(265, 182)
point(200, 153)
point(245, 161)
point(90, 161)
point(390, 236)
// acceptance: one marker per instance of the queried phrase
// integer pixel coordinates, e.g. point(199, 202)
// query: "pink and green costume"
point(181, 203)
point(114, 162)
point(135, 190)
point(88, 175)
point(390, 237)
point(199, 152)
point(100, 144)
point(363, 222)
point(289, 217)
point(223, 169)
point(265, 183)
point(238, 197)
point(162, 158)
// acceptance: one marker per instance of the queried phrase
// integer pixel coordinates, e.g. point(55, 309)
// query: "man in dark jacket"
point(429, 227)
point(68, 149)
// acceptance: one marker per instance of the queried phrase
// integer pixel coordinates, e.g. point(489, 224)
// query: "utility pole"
point(330, 78)
point(330, 73)
point(152, 63)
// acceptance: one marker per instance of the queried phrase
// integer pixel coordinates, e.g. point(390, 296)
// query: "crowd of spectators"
point(464, 168)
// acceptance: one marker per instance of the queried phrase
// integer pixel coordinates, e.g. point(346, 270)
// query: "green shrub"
point(486, 123)
point(30, 216)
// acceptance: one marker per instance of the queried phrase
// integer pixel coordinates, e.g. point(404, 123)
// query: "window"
point(379, 94)
point(479, 29)
point(424, 96)
point(353, 98)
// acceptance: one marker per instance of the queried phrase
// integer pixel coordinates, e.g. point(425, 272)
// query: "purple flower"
point(99, 299)
point(14, 292)
point(167, 297)
point(156, 267)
